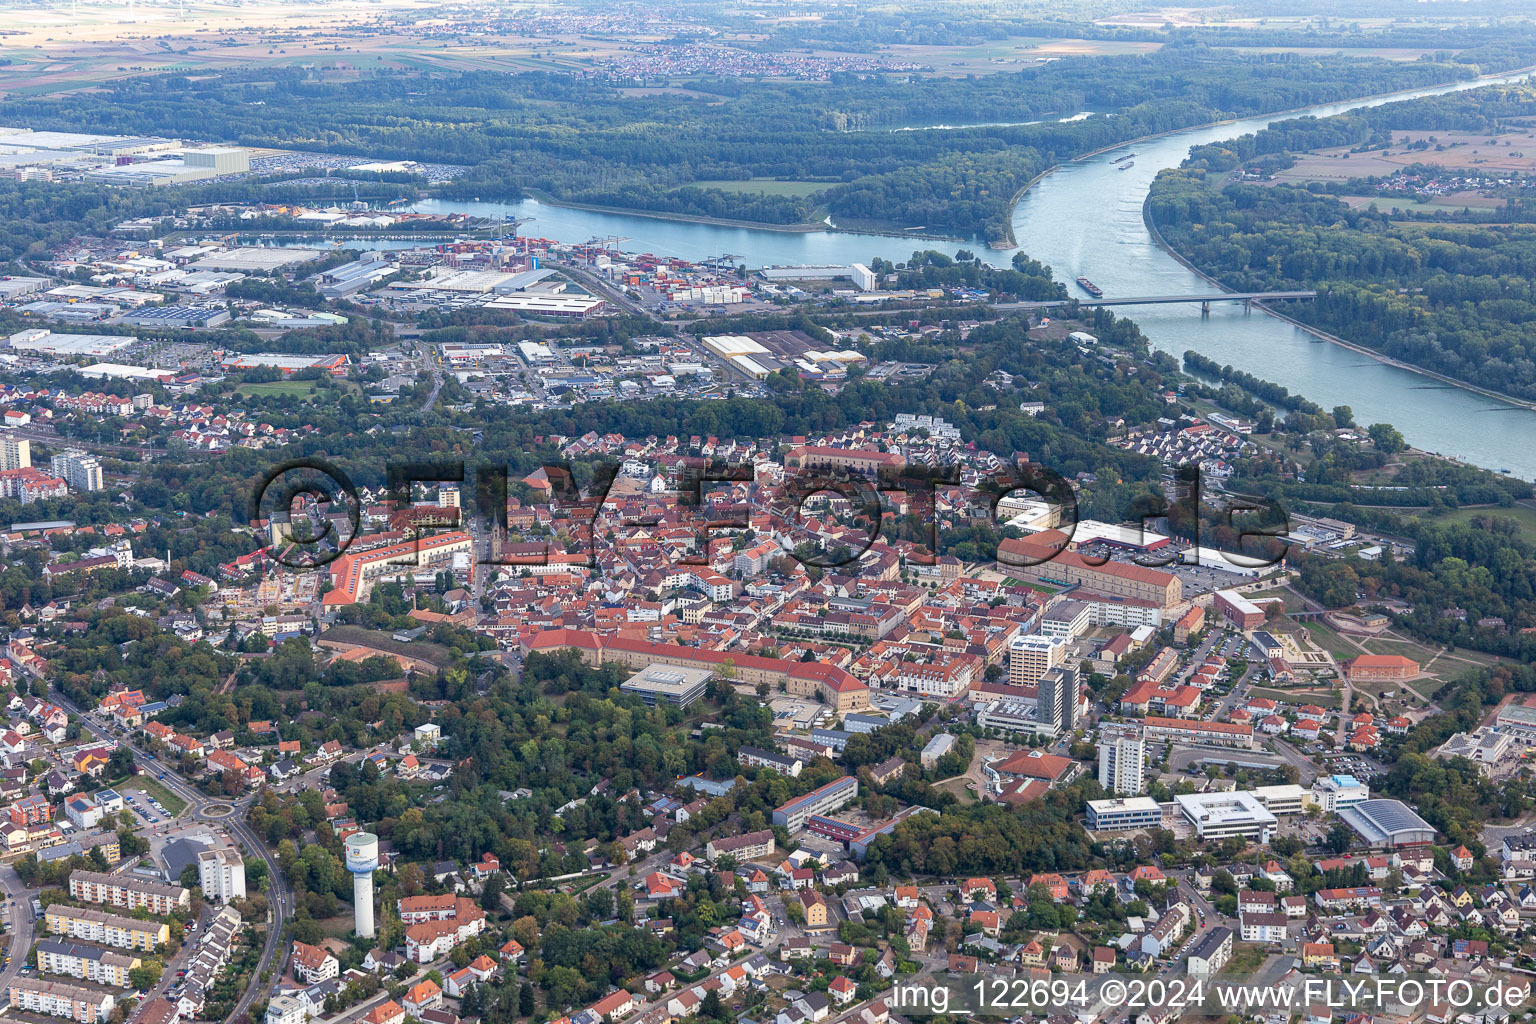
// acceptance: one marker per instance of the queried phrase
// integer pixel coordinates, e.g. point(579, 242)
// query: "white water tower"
point(362, 860)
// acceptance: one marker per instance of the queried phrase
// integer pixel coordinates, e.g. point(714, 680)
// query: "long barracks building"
point(834, 686)
point(1065, 566)
point(354, 573)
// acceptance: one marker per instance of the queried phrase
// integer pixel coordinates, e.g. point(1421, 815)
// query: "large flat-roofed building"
point(1238, 610)
point(351, 278)
point(336, 365)
point(1067, 618)
point(577, 307)
point(858, 846)
point(15, 287)
point(128, 891)
point(1279, 800)
point(858, 273)
point(1517, 720)
point(256, 258)
point(15, 452)
point(1044, 556)
point(57, 999)
point(1014, 715)
point(1125, 814)
point(1336, 792)
point(1194, 731)
point(1056, 703)
point(219, 159)
point(77, 469)
point(668, 684)
point(838, 793)
point(39, 340)
point(1388, 823)
point(178, 317)
point(1222, 815)
point(1031, 656)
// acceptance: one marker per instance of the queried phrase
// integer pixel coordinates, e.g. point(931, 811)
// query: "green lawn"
point(1290, 600)
point(1247, 957)
point(1524, 518)
point(959, 788)
point(1322, 700)
point(1329, 640)
point(767, 186)
point(173, 804)
point(298, 388)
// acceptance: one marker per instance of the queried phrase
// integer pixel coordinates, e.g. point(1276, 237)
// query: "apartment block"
point(128, 891)
point(96, 926)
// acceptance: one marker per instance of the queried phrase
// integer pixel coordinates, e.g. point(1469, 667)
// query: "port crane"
point(517, 222)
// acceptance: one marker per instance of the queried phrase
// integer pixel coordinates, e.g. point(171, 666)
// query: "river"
point(1085, 220)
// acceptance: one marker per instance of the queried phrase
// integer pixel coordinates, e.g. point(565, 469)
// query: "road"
point(279, 895)
point(1304, 764)
point(429, 364)
point(21, 925)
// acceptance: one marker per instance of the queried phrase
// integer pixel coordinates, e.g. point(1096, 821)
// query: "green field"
point(1523, 516)
point(1322, 700)
point(173, 804)
point(767, 186)
point(1247, 957)
point(1329, 640)
point(305, 389)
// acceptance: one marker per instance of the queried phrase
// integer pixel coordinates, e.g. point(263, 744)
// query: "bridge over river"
point(1158, 300)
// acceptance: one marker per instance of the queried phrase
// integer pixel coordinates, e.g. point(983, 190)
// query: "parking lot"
point(1362, 768)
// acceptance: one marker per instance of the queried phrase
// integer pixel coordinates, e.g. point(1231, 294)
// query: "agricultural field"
point(63, 49)
point(1508, 153)
point(1012, 54)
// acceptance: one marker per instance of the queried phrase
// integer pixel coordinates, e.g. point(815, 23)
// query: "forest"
point(582, 140)
point(1455, 298)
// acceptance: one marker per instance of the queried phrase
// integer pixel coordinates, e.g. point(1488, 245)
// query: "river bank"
point(727, 222)
point(1322, 335)
point(1087, 218)
point(1279, 114)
